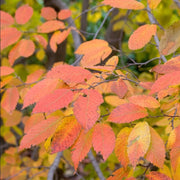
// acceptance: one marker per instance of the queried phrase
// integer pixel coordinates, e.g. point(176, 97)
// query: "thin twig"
point(177, 3)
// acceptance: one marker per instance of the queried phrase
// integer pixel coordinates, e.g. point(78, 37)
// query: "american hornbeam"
point(130, 122)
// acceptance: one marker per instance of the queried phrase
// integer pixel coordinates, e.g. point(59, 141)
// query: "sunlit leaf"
point(5, 70)
point(154, 175)
point(41, 40)
point(153, 3)
point(6, 19)
point(48, 13)
point(64, 14)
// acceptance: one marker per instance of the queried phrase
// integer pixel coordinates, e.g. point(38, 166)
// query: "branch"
point(177, 3)
point(96, 166)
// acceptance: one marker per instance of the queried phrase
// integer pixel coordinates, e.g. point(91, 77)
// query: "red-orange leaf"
point(154, 175)
point(121, 146)
point(5, 19)
point(156, 151)
point(5, 70)
point(164, 81)
point(39, 90)
point(10, 99)
point(65, 135)
point(34, 76)
point(144, 101)
point(138, 142)
point(39, 132)
point(64, 14)
point(48, 13)
point(69, 74)
point(81, 147)
point(51, 26)
point(103, 139)
point(126, 113)
point(9, 36)
point(56, 100)
point(141, 36)
point(41, 40)
point(94, 51)
point(86, 107)
point(23, 14)
point(119, 174)
point(153, 3)
point(128, 4)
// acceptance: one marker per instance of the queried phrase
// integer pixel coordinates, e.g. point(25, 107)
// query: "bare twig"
point(177, 3)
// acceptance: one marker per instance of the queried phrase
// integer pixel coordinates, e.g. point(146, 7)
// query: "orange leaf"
point(153, 3)
point(130, 4)
point(64, 14)
point(156, 152)
point(41, 40)
point(119, 174)
point(166, 80)
point(154, 175)
point(39, 90)
point(121, 146)
point(51, 26)
point(57, 99)
point(138, 142)
point(146, 85)
point(81, 147)
point(23, 14)
point(94, 51)
point(103, 139)
point(144, 101)
point(141, 36)
point(69, 74)
point(9, 36)
point(48, 13)
point(126, 113)
point(85, 108)
point(34, 76)
point(6, 19)
point(119, 87)
point(5, 70)
point(10, 99)
point(65, 135)
point(39, 132)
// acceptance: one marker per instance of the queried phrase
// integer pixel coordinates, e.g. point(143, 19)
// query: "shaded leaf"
point(153, 3)
point(65, 135)
point(48, 13)
point(64, 14)
point(41, 40)
point(57, 99)
point(6, 19)
point(154, 175)
point(86, 107)
point(23, 14)
point(39, 133)
point(146, 85)
point(5, 70)
point(94, 51)
point(141, 36)
point(119, 174)
point(103, 139)
point(138, 142)
point(126, 113)
point(130, 4)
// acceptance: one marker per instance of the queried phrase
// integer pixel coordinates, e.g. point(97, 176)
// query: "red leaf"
point(126, 113)
point(64, 14)
point(34, 76)
point(85, 108)
point(39, 132)
point(6, 19)
point(9, 36)
point(166, 80)
point(10, 99)
point(39, 90)
point(141, 36)
point(65, 135)
point(130, 4)
point(81, 147)
point(5, 70)
point(41, 40)
point(154, 175)
point(119, 174)
point(48, 13)
point(56, 100)
point(103, 139)
point(69, 74)
point(51, 26)
point(23, 14)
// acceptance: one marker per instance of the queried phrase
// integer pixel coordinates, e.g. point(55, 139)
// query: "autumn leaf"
point(94, 51)
point(126, 113)
point(153, 3)
point(23, 14)
point(85, 107)
point(154, 175)
point(121, 146)
point(10, 99)
point(39, 133)
point(64, 14)
point(34, 76)
point(48, 13)
point(138, 142)
point(6, 19)
point(130, 4)
point(114, 100)
point(121, 173)
point(65, 135)
point(156, 151)
point(5, 70)
point(141, 36)
point(175, 157)
point(41, 40)
point(50, 26)
point(103, 139)
point(81, 147)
